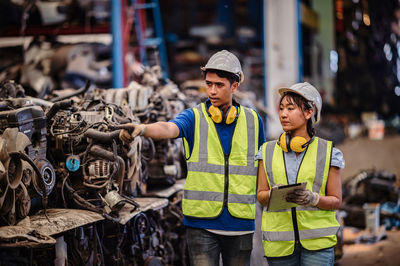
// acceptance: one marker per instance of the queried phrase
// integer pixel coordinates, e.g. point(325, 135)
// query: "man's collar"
point(234, 103)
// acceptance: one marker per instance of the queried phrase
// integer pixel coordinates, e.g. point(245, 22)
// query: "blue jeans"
point(304, 257)
point(205, 248)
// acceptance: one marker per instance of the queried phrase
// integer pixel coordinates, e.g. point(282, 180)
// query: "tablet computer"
point(277, 199)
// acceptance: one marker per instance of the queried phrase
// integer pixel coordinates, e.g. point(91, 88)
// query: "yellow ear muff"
point(283, 142)
point(231, 115)
point(217, 117)
point(216, 114)
point(298, 144)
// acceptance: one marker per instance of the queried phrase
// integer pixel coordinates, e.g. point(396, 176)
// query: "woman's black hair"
point(302, 103)
point(222, 74)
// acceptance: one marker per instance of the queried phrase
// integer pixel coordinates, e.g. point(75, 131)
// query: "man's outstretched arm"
point(159, 130)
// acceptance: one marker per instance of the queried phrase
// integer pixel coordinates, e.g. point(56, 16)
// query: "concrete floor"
point(360, 154)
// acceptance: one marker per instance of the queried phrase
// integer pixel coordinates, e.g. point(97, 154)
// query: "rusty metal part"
point(23, 202)
point(128, 211)
point(3, 186)
point(27, 174)
point(61, 220)
point(115, 201)
point(7, 203)
point(99, 168)
point(16, 141)
point(3, 151)
point(21, 236)
point(102, 168)
point(14, 171)
point(48, 177)
point(84, 246)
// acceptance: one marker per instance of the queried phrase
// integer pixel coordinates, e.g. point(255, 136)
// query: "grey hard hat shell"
point(310, 93)
point(225, 61)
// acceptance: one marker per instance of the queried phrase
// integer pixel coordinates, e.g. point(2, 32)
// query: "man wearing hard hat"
point(221, 139)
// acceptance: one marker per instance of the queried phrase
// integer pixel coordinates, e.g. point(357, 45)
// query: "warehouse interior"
point(73, 72)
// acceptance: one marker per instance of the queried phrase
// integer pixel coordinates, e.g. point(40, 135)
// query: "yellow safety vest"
point(216, 179)
point(314, 228)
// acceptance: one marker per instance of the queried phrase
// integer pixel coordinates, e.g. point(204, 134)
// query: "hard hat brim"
point(283, 90)
point(241, 77)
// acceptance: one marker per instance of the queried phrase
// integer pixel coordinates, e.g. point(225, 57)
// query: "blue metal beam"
point(225, 15)
point(264, 44)
point(117, 49)
point(160, 35)
point(299, 41)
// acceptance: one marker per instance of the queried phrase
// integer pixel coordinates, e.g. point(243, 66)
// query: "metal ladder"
point(140, 6)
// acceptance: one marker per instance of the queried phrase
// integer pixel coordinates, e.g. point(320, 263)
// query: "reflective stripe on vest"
point(317, 228)
point(204, 194)
point(304, 234)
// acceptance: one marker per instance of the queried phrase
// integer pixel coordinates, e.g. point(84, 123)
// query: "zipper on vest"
point(295, 226)
point(294, 214)
point(226, 185)
point(293, 210)
point(226, 166)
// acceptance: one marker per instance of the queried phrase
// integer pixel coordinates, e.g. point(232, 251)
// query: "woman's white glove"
point(303, 196)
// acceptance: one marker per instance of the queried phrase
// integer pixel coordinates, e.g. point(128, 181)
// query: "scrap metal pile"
point(61, 153)
point(371, 202)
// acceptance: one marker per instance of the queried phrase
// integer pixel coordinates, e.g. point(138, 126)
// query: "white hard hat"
point(310, 93)
point(225, 61)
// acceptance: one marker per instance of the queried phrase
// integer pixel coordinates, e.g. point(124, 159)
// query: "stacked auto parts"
point(66, 153)
point(25, 171)
point(151, 101)
point(84, 144)
point(368, 186)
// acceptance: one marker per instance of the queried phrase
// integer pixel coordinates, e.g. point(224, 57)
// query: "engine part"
point(31, 121)
point(14, 171)
point(73, 163)
point(85, 247)
point(48, 177)
point(78, 92)
point(99, 169)
point(368, 186)
point(14, 174)
point(23, 202)
point(59, 105)
point(14, 236)
point(52, 12)
point(82, 66)
point(115, 201)
point(10, 89)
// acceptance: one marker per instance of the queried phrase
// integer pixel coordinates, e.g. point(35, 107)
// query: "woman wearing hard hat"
point(304, 234)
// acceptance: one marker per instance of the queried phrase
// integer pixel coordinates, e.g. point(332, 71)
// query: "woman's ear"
point(308, 113)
